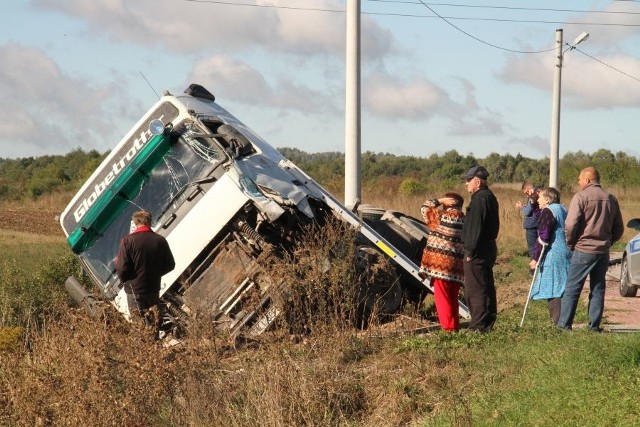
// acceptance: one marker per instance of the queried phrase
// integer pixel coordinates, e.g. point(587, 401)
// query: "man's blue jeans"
point(583, 264)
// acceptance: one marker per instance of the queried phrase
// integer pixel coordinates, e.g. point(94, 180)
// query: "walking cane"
point(533, 280)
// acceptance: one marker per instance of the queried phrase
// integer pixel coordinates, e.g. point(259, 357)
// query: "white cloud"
point(586, 83)
point(593, 85)
point(44, 108)
point(482, 123)
point(618, 23)
point(227, 75)
point(396, 98)
point(534, 146)
point(233, 76)
point(189, 27)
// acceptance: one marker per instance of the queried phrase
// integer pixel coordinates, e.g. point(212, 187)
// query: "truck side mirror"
point(238, 143)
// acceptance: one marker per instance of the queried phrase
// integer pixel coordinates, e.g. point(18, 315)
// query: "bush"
point(410, 186)
point(325, 285)
point(27, 299)
point(10, 338)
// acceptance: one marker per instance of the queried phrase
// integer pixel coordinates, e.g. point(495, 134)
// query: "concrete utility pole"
point(352, 185)
point(554, 156)
point(555, 115)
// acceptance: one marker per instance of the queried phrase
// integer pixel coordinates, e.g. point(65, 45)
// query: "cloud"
point(618, 23)
point(534, 146)
point(44, 108)
point(483, 123)
point(398, 98)
point(471, 119)
point(228, 75)
point(586, 83)
point(593, 74)
point(189, 27)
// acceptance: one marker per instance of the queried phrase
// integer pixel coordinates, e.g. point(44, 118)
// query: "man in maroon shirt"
point(143, 258)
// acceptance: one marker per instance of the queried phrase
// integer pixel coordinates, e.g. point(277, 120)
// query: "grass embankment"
point(71, 370)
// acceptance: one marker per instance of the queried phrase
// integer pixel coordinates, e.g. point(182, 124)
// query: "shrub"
point(411, 186)
point(10, 338)
point(26, 299)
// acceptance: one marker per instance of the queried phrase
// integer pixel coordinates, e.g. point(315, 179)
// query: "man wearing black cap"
point(479, 233)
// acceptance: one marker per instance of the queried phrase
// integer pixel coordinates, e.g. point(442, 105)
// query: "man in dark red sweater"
point(143, 258)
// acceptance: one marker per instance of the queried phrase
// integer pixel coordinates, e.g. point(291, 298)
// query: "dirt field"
point(30, 220)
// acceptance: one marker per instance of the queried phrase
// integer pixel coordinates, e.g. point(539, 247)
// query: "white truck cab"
point(220, 195)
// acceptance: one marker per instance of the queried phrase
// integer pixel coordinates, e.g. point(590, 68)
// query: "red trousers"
point(445, 294)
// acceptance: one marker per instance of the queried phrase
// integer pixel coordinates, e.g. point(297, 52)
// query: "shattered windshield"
point(187, 162)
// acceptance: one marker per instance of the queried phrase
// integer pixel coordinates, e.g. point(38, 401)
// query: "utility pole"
point(352, 149)
point(555, 115)
point(554, 156)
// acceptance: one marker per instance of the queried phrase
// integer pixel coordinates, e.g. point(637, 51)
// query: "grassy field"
point(60, 368)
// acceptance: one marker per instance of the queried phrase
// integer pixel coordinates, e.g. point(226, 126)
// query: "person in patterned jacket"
point(443, 254)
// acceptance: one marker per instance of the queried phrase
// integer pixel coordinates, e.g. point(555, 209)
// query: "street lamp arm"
point(582, 37)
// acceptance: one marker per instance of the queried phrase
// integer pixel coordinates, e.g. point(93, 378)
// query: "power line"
point(516, 51)
point(535, 9)
point(446, 19)
point(479, 39)
point(519, 21)
point(267, 6)
point(606, 65)
point(409, 15)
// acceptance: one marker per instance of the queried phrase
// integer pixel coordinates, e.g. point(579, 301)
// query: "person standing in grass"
point(479, 234)
point(442, 256)
point(531, 215)
point(553, 267)
point(143, 258)
point(593, 224)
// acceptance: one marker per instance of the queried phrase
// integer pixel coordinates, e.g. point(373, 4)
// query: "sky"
point(471, 76)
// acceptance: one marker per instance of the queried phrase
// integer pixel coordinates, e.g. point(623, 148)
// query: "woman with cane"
point(553, 265)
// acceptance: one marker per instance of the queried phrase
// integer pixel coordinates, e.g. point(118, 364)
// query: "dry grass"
point(79, 372)
point(72, 370)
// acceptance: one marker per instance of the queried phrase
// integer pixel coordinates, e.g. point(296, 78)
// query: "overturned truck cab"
point(225, 200)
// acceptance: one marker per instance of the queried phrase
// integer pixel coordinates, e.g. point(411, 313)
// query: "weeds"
point(331, 282)
point(60, 367)
point(28, 299)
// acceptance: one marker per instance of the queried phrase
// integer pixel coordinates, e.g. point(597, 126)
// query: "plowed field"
point(30, 220)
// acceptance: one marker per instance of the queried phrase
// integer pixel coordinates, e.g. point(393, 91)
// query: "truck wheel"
point(84, 299)
point(626, 288)
point(370, 213)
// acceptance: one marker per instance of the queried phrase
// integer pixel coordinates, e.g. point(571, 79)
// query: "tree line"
point(36, 176)
point(618, 169)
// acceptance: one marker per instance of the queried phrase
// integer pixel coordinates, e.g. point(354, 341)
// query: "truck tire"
point(370, 213)
point(83, 298)
point(626, 288)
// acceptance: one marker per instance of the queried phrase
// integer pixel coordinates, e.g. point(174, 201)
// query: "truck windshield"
point(188, 161)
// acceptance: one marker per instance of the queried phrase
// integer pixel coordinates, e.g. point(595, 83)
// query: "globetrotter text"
point(115, 170)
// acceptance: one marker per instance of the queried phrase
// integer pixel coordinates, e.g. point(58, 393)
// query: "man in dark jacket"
point(479, 234)
point(143, 258)
point(593, 224)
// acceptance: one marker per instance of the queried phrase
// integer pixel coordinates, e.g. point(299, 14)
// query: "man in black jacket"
point(479, 233)
point(143, 258)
